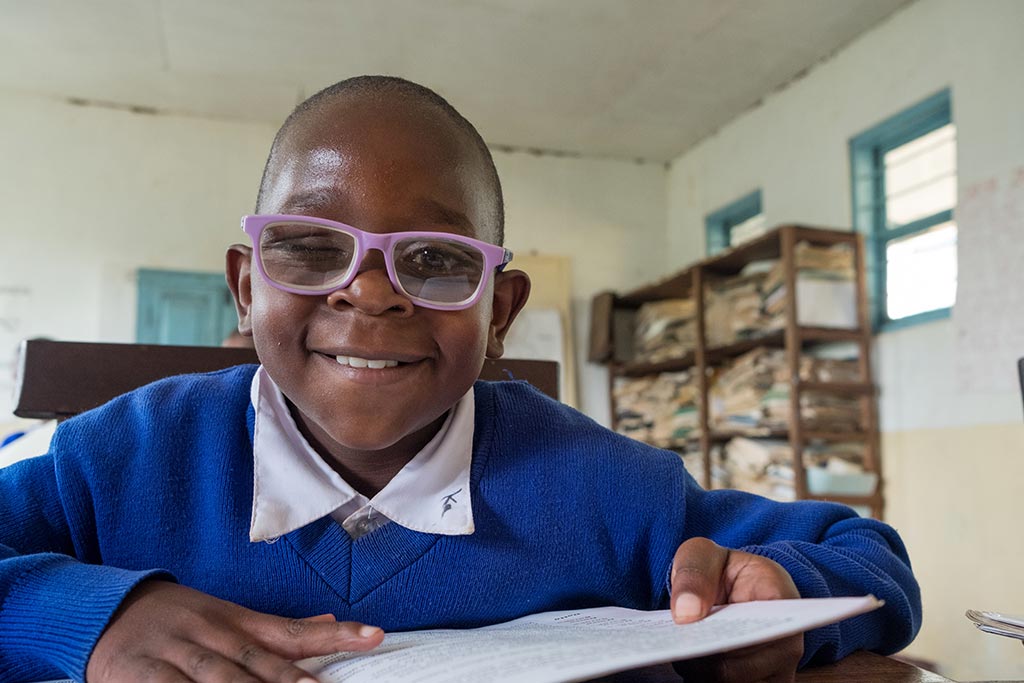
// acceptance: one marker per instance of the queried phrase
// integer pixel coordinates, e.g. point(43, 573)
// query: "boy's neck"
point(370, 471)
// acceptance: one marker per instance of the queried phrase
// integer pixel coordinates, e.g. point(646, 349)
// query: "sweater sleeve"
point(53, 606)
point(830, 552)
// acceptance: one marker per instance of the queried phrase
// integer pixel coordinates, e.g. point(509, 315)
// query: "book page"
point(557, 647)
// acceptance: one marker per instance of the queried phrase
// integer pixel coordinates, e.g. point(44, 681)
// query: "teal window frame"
point(718, 225)
point(867, 173)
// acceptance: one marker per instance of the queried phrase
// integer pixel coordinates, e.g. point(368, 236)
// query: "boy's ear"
point(238, 264)
point(511, 290)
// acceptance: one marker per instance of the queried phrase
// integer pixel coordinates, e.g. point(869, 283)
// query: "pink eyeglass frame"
point(495, 257)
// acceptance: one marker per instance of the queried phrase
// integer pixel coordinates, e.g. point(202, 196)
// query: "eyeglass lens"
point(313, 257)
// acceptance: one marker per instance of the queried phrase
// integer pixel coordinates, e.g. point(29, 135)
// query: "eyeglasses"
point(315, 256)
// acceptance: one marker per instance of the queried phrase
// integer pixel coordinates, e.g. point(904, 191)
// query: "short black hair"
point(387, 85)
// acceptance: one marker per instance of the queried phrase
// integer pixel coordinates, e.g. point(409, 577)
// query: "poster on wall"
point(989, 312)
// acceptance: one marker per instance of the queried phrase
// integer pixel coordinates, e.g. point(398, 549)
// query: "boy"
point(211, 527)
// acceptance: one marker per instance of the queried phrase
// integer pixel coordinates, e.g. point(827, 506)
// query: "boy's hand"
point(705, 574)
point(172, 634)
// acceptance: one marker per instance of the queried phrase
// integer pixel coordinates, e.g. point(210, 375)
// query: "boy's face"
point(380, 166)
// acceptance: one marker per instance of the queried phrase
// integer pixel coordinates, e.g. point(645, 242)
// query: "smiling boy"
point(194, 529)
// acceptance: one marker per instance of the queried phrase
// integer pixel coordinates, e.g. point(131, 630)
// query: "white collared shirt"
point(293, 486)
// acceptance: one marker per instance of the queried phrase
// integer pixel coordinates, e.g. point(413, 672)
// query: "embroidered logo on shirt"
point(446, 502)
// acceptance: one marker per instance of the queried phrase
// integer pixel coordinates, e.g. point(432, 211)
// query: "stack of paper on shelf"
point(694, 463)
point(825, 287)
point(765, 467)
point(820, 411)
point(659, 409)
point(815, 369)
point(838, 468)
point(761, 466)
point(738, 390)
point(693, 460)
point(734, 308)
point(665, 330)
point(751, 396)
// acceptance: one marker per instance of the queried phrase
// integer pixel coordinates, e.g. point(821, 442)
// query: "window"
point(734, 224)
point(904, 194)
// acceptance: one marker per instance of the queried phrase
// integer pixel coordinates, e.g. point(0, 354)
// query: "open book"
point(575, 645)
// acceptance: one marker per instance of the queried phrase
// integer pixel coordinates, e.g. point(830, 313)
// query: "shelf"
point(829, 334)
point(717, 354)
point(873, 500)
point(635, 369)
point(768, 246)
point(833, 437)
point(842, 388)
point(618, 324)
point(722, 437)
point(676, 286)
point(777, 339)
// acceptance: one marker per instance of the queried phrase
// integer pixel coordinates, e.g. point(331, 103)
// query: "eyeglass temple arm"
point(505, 260)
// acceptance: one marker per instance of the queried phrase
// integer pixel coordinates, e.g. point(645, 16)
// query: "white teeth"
point(364, 363)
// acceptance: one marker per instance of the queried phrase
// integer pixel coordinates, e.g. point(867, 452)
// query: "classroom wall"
point(951, 452)
point(91, 194)
point(607, 216)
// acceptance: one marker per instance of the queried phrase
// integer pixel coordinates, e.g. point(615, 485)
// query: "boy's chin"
point(359, 439)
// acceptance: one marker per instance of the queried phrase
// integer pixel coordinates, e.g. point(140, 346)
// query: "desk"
point(860, 667)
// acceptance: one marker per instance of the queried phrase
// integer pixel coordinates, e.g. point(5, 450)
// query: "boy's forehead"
point(352, 144)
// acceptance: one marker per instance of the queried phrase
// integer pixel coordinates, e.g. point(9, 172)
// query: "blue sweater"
point(158, 483)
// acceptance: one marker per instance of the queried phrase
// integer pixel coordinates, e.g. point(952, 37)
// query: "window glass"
point(920, 177)
point(921, 271)
point(904, 183)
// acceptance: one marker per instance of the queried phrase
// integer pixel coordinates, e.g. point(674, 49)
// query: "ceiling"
point(643, 79)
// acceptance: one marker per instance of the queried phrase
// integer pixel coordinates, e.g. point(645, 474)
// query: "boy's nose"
point(372, 292)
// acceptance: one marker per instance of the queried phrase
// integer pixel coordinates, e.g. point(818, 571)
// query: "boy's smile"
point(369, 375)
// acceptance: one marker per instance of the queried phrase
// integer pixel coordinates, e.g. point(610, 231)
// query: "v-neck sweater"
point(158, 484)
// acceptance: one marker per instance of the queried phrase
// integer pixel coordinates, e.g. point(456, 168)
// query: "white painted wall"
point(795, 148)
point(607, 216)
point(950, 455)
point(92, 194)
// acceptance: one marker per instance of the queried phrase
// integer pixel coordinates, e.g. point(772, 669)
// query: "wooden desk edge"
point(859, 667)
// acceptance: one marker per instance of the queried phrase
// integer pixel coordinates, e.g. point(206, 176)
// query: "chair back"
point(59, 379)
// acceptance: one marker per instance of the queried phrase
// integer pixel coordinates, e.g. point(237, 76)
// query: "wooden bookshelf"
point(611, 342)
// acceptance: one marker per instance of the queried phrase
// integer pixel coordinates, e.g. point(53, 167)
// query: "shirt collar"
point(293, 486)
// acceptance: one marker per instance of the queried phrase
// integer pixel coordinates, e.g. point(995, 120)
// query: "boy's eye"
point(439, 258)
point(306, 245)
point(306, 248)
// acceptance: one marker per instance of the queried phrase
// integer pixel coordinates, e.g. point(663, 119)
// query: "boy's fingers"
point(266, 665)
point(156, 671)
point(200, 663)
point(323, 617)
point(301, 638)
point(696, 578)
